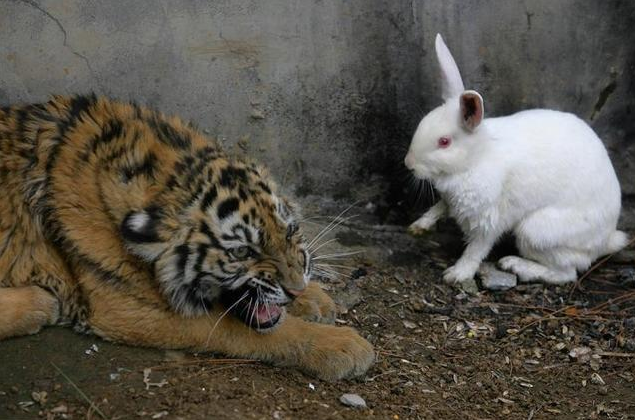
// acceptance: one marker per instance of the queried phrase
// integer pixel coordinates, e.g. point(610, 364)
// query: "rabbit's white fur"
point(544, 175)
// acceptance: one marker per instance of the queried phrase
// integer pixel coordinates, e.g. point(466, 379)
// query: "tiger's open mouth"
point(252, 311)
point(259, 316)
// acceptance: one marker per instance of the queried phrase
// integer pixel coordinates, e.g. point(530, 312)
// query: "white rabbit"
point(542, 174)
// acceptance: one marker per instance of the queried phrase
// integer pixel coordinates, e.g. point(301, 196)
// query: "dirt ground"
point(533, 352)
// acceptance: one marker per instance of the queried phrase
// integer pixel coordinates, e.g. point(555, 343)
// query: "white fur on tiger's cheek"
point(138, 221)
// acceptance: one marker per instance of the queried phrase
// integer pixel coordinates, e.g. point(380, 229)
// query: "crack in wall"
point(603, 97)
point(81, 56)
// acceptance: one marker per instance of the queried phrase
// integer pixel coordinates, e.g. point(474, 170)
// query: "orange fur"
point(74, 170)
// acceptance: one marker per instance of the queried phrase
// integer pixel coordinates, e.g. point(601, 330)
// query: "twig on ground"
point(91, 404)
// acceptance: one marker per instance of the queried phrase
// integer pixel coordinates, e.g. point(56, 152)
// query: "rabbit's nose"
point(409, 160)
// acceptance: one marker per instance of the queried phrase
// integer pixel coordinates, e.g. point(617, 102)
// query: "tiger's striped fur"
point(133, 225)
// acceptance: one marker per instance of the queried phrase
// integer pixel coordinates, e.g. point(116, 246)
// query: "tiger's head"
point(235, 241)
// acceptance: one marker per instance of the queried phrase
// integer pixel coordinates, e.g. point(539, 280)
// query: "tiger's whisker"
point(339, 255)
point(336, 265)
point(323, 244)
point(330, 224)
point(328, 229)
point(335, 272)
point(325, 274)
point(209, 336)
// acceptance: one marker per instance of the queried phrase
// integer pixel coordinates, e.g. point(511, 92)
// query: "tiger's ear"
point(139, 231)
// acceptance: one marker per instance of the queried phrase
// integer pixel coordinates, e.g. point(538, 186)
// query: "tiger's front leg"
point(324, 351)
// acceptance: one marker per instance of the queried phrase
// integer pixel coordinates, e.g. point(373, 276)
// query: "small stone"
point(409, 324)
point(494, 279)
point(603, 390)
point(559, 346)
point(630, 344)
point(39, 397)
point(353, 400)
point(60, 409)
point(469, 287)
point(417, 305)
point(257, 114)
point(461, 296)
point(581, 354)
point(597, 379)
point(630, 323)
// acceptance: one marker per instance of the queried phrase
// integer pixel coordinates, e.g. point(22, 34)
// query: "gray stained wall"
point(327, 93)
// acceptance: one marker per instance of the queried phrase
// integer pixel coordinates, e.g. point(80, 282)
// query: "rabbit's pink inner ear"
point(471, 109)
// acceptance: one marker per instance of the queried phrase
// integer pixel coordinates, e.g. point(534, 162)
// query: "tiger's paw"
point(314, 305)
point(337, 353)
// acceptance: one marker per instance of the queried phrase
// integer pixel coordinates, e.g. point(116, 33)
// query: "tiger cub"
point(135, 227)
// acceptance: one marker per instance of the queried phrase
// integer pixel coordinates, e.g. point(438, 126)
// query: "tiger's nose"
point(409, 160)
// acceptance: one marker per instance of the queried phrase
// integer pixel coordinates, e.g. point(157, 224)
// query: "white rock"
point(597, 379)
point(409, 324)
point(494, 279)
point(353, 400)
point(582, 354)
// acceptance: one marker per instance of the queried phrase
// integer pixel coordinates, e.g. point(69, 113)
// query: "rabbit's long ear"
point(472, 110)
point(450, 77)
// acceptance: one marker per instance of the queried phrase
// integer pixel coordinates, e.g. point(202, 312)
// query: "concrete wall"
point(327, 92)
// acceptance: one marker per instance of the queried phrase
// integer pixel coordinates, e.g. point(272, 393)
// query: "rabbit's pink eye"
point(444, 142)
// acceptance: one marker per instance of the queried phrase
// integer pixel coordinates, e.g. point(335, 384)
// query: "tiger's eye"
point(241, 252)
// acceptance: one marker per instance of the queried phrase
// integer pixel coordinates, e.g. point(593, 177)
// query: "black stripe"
point(113, 129)
point(202, 253)
point(145, 167)
point(208, 198)
point(227, 207)
point(204, 229)
point(183, 253)
point(169, 135)
point(21, 117)
point(230, 176)
point(57, 235)
point(264, 187)
point(172, 182)
point(77, 105)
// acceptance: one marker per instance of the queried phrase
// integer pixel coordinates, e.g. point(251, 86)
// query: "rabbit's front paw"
point(459, 273)
point(421, 227)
